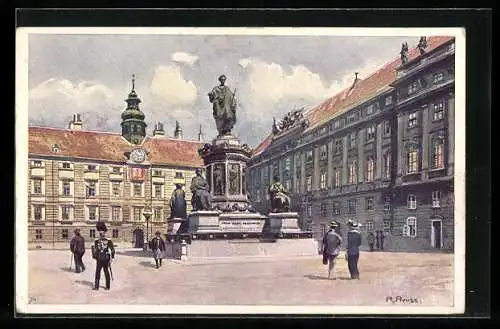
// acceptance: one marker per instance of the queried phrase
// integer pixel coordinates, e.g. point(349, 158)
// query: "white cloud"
point(169, 84)
point(270, 84)
point(184, 58)
point(55, 100)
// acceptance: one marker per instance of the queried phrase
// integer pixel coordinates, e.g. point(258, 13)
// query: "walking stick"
point(71, 262)
point(111, 271)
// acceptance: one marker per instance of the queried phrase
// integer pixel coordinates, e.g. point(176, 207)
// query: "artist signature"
point(402, 300)
point(31, 300)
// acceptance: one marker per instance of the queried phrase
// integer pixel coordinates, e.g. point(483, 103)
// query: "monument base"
point(284, 222)
point(204, 221)
point(176, 225)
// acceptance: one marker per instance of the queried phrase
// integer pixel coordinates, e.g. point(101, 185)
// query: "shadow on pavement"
point(66, 269)
point(85, 283)
point(148, 264)
point(316, 277)
point(133, 253)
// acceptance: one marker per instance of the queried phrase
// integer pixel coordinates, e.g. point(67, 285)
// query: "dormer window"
point(55, 148)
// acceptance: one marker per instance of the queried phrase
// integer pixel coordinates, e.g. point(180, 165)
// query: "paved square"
point(424, 278)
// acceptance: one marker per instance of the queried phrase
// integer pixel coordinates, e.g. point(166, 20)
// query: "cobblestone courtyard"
point(425, 278)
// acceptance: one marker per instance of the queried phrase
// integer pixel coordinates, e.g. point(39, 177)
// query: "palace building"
point(379, 152)
point(79, 177)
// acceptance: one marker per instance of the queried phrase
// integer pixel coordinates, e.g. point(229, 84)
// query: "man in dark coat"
point(178, 203)
point(382, 237)
point(371, 240)
point(353, 243)
point(103, 252)
point(157, 245)
point(77, 247)
point(331, 247)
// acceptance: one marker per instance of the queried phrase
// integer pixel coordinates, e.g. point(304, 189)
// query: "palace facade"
point(79, 177)
point(380, 153)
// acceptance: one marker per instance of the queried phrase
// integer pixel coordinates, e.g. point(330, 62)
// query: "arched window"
point(437, 154)
point(353, 172)
point(387, 165)
point(411, 201)
point(370, 169)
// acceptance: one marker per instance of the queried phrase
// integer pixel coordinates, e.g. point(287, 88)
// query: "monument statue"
point(219, 177)
point(404, 53)
point(178, 203)
point(422, 44)
point(201, 199)
point(224, 106)
point(280, 201)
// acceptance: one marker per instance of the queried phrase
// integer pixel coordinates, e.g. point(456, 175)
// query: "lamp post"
point(147, 215)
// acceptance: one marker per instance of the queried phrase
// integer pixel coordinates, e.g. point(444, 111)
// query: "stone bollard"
point(184, 251)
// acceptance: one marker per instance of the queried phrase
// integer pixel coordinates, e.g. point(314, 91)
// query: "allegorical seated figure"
point(280, 201)
point(178, 203)
point(201, 199)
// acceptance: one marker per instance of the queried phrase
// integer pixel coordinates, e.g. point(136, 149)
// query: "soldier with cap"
point(331, 247)
point(103, 252)
point(77, 247)
point(352, 252)
point(157, 245)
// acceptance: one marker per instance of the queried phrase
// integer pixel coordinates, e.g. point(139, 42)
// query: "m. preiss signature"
point(403, 300)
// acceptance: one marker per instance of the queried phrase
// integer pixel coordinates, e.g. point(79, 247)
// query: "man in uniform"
point(103, 252)
point(77, 247)
point(353, 243)
point(157, 245)
point(331, 246)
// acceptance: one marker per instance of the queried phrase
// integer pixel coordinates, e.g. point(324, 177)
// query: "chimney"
point(178, 130)
point(76, 122)
point(200, 135)
point(158, 131)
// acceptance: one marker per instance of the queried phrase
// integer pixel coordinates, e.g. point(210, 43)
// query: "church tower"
point(133, 125)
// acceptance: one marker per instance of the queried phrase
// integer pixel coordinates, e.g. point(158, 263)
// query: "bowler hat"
point(158, 233)
point(77, 230)
point(334, 224)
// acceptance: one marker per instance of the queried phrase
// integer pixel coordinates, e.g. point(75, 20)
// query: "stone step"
point(250, 247)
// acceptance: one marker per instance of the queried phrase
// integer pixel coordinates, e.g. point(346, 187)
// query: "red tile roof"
point(363, 90)
point(107, 146)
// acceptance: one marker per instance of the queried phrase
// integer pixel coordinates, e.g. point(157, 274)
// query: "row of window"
point(65, 233)
point(352, 205)
point(91, 188)
point(415, 86)
point(92, 213)
point(412, 166)
point(94, 168)
point(368, 226)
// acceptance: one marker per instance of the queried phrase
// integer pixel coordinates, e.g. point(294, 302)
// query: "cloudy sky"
point(91, 75)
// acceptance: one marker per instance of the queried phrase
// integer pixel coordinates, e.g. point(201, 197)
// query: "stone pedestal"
point(241, 222)
point(284, 222)
point(176, 225)
point(225, 163)
point(204, 222)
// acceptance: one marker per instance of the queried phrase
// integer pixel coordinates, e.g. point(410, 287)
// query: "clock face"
point(138, 155)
